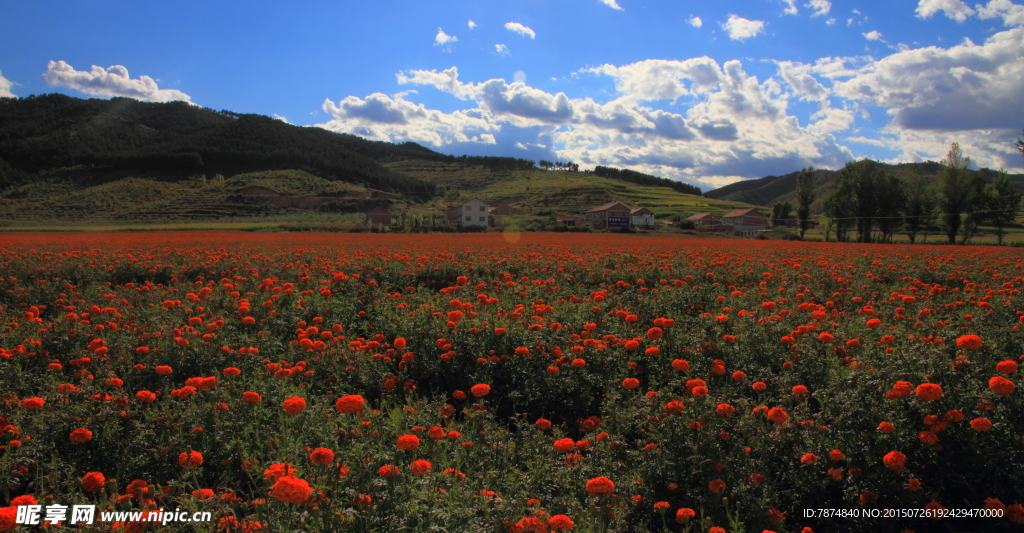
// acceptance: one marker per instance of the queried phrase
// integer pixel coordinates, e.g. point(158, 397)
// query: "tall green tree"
point(890, 203)
point(804, 197)
point(838, 207)
point(958, 194)
point(780, 212)
point(1002, 201)
point(920, 203)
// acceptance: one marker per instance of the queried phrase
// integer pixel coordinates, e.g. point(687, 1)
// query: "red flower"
point(353, 403)
point(560, 522)
point(684, 515)
point(1006, 367)
point(886, 427)
point(655, 334)
point(630, 383)
point(981, 424)
point(809, 459)
point(93, 482)
point(929, 391)
point(681, 365)
point(1001, 385)
point(33, 404)
point(874, 323)
point(826, 338)
point(145, 396)
point(600, 486)
point(564, 445)
point(163, 370)
point(294, 405)
point(388, 471)
point(408, 442)
point(251, 397)
point(896, 461)
point(725, 409)
point(717, 486)
point(799, 391)
point(322, 456)
point(190, 459)
point(759, 386)
point(399, 343)
point(480, 390)
point(80, 435)
point(969, 342)
point(674, 407)
point(232, 372)
point(836, 455)
point(543, 424)
point(778, 415)
point(277, 470)
point(291, 489)
point(420, 467)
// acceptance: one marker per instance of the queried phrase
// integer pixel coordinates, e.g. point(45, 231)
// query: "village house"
point(641, 217)
point(614, 214)
point(378, 215)
point(470, 214)
point(704, 219)
point(745, 222)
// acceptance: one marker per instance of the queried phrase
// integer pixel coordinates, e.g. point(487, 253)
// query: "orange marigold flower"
point(836, 455)
point(420, 467)
point(543, 424)
point(565, 445)
point(399, 343)
point(655, 334)
point(93, 482)
point(684, 515)
point(600, 486)
point(1006, 367)
point(630, 383)
point(80, 435)
point(251, 397)
point(809, 459)
point(874, 323)
point(190, 459)
point(353, 403)
point(388, 471)
point(322, 456)
point(1001, 385)
point(674, 407)
point(717, 486)
point(480, 390)
point(163, 370)
point(929, 391)
point(560, 522)
point(436, 433)
point(681, 365)
point(895, 460)
point(231, 372)
point(408, 442)
point(778, 415)
point(145, 396)
point(799, 391)
point(981, 424)
point(968, 342)
point(759, 386)
point(725, 409)
point(33, 404)
point(291, 489)
point(277, 470)
point(294, 405)
point(826, 338)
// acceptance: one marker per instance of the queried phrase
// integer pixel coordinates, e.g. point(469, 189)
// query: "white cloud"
point(501, 50)
point(740, 29)
point(444, 40)
point(611, 4)
point(380, 117)
point(954, 9)
point(790, 7)
point(804, 85)
point(110, 82)
point(520, 29)
point(820, 7)
point(1012, 14)
point(5, 87)
point(695, 21)
point(831, 21)
point(873, 35)
point(867, 140)
point(830, 119)
point(472, 25)
point(659, 79)
point(281, 118)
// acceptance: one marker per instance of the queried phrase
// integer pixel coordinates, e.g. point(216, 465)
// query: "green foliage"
point(805, 196)
point(1002, 202)
point(780, 212)
point(645, 179)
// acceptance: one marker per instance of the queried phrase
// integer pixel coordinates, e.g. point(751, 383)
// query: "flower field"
point(483, 383)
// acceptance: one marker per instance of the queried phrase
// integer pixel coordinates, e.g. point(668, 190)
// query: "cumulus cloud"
point(1012, 14)
point(472, 25)
point(954, 9)
point(380, 117)
point(740, 29)
point(658, 79)
point(5, 87)
point(444, 40)
point(695, 21)
point(820, 7)
point(501, 50)
point(804, 85)
point(873, 35)
point(790, 7)
point(281, 118)
point(109, 82)
point(611, 4)
point(520, 29)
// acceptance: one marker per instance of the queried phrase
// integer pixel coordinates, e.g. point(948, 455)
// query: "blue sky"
point(704, 92)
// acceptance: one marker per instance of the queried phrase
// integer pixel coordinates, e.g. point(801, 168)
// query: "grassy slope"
point(554, 192)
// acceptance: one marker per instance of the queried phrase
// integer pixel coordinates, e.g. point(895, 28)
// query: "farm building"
point(641, 217)
point(471, 213)
point(745, 222)
point(614, 214)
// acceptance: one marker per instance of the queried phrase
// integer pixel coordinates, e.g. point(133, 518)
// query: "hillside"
point(771, 189)
point(95, 161)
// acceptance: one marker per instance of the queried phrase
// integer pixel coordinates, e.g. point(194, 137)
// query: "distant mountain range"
point(772, 189)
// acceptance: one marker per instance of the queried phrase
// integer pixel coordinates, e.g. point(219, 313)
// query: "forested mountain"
point(775, 189)
point(44, 133)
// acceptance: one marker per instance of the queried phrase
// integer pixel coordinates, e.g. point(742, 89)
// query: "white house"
point(641, 217)
point(473, 213)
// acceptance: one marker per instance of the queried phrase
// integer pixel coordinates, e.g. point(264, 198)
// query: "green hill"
point(65, 159)
point(771, 189)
